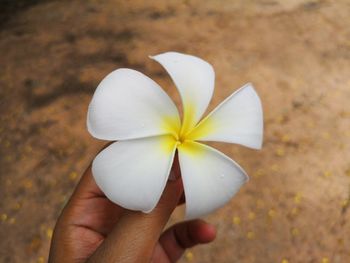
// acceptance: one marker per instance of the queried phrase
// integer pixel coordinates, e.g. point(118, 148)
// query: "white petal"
point(127, 104)
point(238, 119)
point(133, 173)
point(210, 178)
point(194, 78)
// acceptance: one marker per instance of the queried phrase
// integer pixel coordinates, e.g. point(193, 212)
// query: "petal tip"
point(89, 125)
point(257, 146)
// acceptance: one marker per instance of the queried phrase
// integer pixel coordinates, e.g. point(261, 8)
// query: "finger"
point(87, 190)
point(135, 235)
point(182, 199)
point(87, 186)
point(89, 205)
point(185, 235)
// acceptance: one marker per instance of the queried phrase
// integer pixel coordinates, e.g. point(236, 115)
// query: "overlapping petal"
point(127, 105)
point(210, 178)
point(238, 119)
point(133, 173)
point(194, 78)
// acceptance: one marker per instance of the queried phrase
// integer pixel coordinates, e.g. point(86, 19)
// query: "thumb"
point(134, 237)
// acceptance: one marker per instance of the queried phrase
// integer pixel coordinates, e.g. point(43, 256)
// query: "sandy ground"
point(297, 54)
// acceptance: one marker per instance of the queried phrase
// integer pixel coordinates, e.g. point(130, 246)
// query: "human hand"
point(93, 229)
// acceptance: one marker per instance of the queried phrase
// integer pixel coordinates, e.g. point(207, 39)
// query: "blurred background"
point(296, 53)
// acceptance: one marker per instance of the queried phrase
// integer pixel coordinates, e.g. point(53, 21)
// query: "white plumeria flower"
point(130, 108)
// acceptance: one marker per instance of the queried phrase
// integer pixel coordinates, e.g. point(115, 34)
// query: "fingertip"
point(210, 233)
point(206, 232)
point(185, 235)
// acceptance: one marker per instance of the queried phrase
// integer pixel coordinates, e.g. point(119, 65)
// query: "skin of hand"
point(93, 229)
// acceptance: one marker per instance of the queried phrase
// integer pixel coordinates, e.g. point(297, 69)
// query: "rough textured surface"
point(297, 54)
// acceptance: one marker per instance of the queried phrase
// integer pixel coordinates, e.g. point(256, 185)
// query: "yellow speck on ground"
point(325, 260)
point(236, 220)
point(327, 173)
point(285, 138)
point(3, 217)
point(28, 149)
point(340, 241)
point(259, 173)
point(28, 183)
point(280, 152)
point(295, 211)
point(295, 231)
point(49, 232)
point(280, 119)
point(250, 235)
point(345, 203)
point(251, 216)
point(9, 158)
point(73, 176)
point(272, 213)
point(17, 206)
point(275, 168)
point(326, 135)
point(347, 172)
point(310, 124)
point(297, 198)
point(189, 256)
point(285, 261)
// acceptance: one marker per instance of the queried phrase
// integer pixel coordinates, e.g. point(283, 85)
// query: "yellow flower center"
point(184, 134)
point(178, 133)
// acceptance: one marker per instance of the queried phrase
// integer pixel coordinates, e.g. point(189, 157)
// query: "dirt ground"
point(295, 52)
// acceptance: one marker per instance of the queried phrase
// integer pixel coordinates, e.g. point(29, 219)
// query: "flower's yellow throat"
point(184, 135)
